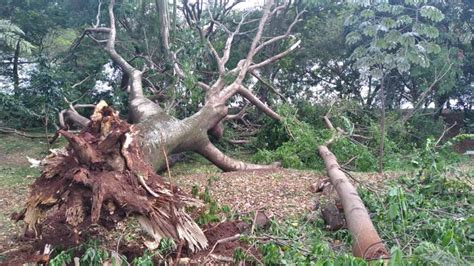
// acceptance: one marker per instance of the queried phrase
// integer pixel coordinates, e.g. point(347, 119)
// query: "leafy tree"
point(393, 37)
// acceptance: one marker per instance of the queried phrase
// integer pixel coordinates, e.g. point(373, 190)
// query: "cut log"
point(367, 243)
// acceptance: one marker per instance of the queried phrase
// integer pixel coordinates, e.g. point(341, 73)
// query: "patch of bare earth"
point(12, 199)
point(282, 193)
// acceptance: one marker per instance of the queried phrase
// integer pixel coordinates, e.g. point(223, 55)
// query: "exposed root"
point(101, 177)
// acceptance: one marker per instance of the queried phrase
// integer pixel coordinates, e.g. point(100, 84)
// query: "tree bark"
point(16, 76)
point(162, 6)
point(382, 124)
point(367, 243)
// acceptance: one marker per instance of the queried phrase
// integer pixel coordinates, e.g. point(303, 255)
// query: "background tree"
point(394, 37)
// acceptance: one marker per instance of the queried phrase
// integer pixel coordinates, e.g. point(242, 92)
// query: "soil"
point(61, 239)
point(216, 232)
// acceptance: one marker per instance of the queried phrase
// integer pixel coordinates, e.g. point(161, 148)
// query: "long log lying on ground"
point(367, 243)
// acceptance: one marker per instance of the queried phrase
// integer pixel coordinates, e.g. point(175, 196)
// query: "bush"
point(295, 144)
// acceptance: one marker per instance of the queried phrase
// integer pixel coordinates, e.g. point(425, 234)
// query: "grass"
point(14, 166)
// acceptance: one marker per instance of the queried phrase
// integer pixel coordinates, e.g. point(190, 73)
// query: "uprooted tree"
point(108, 170)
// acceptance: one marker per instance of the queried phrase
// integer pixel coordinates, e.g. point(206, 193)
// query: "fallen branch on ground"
point(367, 243)
point(7, 130)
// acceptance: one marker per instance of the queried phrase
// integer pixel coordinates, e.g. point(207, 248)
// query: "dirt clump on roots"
point(100, 179)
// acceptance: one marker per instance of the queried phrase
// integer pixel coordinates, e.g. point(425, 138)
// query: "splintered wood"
point(101, 178)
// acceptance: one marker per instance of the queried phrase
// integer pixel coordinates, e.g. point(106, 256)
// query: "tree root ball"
point(101, 177)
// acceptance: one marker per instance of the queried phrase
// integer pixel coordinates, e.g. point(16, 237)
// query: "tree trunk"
point(16, 76)
point(162, 6)
point(382, 124)
point(367, 243)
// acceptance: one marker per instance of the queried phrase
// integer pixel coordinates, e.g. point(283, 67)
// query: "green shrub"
point(298, 146)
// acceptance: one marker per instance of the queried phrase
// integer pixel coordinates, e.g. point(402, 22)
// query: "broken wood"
point(367, 243)
point(101, 177)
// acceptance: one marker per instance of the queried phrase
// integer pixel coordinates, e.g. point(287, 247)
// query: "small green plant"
point(271, 254)
point(94, 255)
point(63, 258)
point(145, 260)
point(239, 255)
point(212, 210)
point(167, 245)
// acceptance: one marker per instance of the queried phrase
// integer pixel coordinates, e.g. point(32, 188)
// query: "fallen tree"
point(108, 170)
point(367, 243)
point(159, 130)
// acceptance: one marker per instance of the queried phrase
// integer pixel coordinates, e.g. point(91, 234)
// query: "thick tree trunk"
point(367, 243)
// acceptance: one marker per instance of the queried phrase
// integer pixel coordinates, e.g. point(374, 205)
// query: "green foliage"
point(63, 258)
point(94, 254)
point(145, 260)
point(299, 151)
point(212, 210)
point(239, 255)
point(11, 34)
point(271, 254)
point(419, 224)
point(427, 215)
point(302, 242)
point(297, 148)
point(15, 111)
point(389, 37)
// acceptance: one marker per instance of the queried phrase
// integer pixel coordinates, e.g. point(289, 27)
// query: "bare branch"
point(226, 163)
point(180, 73)
point(238, 141)
point(97, 18)
point(239, 115)
point(203, 85)
point(81, 82)
point(446, 130)
point(220, 66)
point(268, 84)
point(228, 44)
point(256, 40)
point(275, 57)
point(430, 89)
point(218, 23)
point(286, 35)
point(97, 41)
point(99, 30)
point(258, 103)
